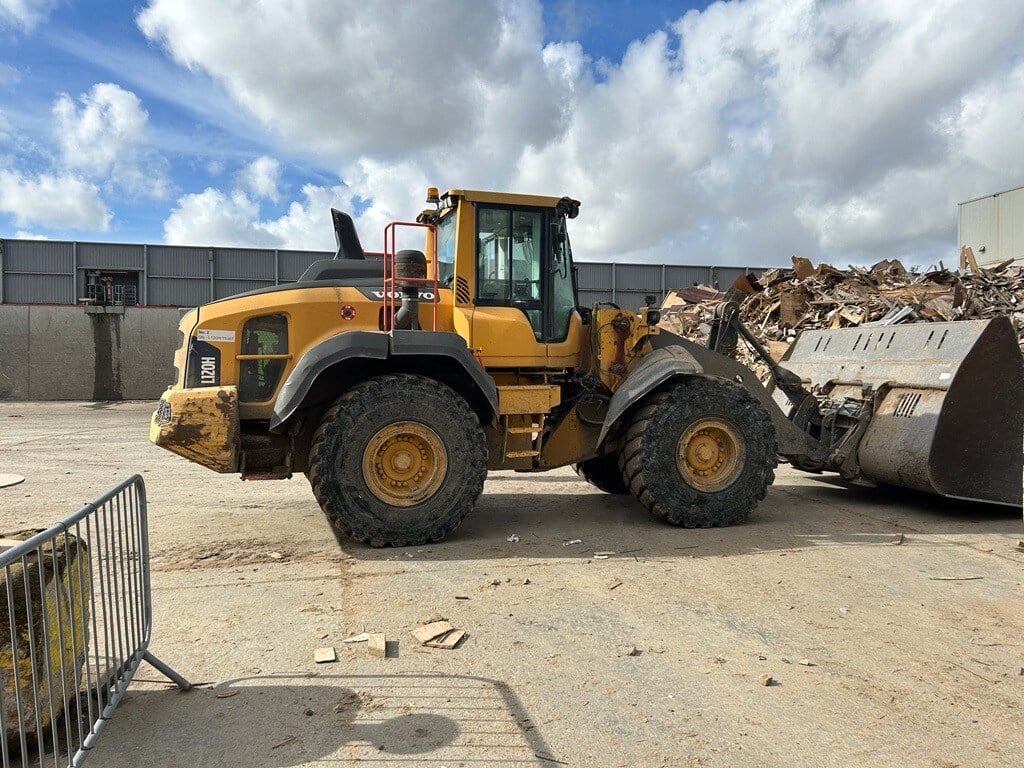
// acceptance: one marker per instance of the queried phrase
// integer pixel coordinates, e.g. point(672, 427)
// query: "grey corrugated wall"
point(53, 272)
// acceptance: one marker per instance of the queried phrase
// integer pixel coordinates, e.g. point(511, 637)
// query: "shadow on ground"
point(279, 721)
point(821, 512)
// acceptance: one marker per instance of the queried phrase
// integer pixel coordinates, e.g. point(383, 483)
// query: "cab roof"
point(503, 198)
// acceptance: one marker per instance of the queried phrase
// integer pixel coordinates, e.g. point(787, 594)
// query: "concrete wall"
point(62, 353)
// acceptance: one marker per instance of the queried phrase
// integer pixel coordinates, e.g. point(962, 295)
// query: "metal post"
point(144, 293)
point(663, 291)
point(213, 290)
point(613, 282)
point(74, 272)
point(2, 271)
point(277, 267)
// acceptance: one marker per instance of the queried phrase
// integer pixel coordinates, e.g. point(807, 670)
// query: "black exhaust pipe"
point(410, 265)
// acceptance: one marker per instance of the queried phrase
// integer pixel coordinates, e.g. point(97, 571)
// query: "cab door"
point(508, 316)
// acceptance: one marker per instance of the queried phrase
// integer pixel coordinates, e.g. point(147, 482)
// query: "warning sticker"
point(209, 334)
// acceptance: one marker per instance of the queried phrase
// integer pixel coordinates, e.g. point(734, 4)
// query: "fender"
point(650, 373)
point(376, 345)
point(676, 356)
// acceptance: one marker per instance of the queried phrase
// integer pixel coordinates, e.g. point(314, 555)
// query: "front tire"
point(700, 453)
point(399, 460)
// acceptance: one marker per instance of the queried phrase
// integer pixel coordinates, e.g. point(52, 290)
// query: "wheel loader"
point(396, 380)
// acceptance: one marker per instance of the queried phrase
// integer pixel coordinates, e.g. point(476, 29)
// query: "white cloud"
point(25, 14)
point(261, 178)
point(215, 217)
point(22, 234)
point(57, 201)
point(743, 133)
point(103, 135)
point(352, 77)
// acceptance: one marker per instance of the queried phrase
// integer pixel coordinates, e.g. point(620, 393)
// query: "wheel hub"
point(709, 454)
point(404, 463)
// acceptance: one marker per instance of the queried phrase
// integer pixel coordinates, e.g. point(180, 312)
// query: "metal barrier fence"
point(75, 624)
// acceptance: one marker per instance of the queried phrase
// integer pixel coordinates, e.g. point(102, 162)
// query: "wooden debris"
point(377, 645)
point(898, 539)
point(325, 655)
point(806, 663)
point(228, 694)
point(362, 637)
point(955, 578)
point(427, 632)
point(284, 742)
point(766, 680)
point(614, 584)
point(784, 302)
point(448, 640)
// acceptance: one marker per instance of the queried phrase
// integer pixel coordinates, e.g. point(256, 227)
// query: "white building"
point(993, 226)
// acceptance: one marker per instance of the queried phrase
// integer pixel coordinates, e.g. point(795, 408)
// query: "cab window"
point(563, 290)
point(510, 258)
point(446, 248)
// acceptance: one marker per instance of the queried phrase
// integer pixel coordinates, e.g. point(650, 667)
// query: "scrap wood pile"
point(787, 301)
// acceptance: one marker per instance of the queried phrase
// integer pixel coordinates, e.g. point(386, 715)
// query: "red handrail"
point(390, 287)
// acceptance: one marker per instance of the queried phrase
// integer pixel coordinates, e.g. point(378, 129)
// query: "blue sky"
point(192, 121)
point(736, 132)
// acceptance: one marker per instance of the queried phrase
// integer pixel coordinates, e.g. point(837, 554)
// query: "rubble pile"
point(807, 296)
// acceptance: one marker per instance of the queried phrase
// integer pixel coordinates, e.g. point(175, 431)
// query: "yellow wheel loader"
point(395, 380)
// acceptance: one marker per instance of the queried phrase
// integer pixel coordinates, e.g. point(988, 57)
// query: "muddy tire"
point(398, 460)
point(603, 473)
point(700, 453)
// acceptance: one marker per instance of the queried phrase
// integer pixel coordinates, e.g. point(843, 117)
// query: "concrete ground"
point(905, 668)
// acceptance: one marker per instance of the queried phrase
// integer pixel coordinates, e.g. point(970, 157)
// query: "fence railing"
point(75, 624)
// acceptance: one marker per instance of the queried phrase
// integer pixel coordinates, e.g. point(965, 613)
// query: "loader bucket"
point(950, 418)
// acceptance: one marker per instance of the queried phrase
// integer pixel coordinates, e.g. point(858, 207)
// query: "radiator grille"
point(907, 404)
point(462, 290)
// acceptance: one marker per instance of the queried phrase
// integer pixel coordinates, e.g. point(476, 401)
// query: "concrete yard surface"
point(901, 667)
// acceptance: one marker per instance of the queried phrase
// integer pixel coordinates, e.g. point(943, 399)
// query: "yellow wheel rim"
point(710, 454)
point(404, 463)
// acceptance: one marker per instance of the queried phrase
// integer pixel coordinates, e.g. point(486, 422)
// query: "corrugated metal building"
point(57, 272)
point(993, 226)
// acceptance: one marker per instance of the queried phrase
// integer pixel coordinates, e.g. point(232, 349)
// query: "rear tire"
point(700, 453)
point(398, 460)
point(603, 473)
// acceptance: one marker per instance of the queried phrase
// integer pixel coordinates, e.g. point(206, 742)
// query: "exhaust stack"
point(411, 265)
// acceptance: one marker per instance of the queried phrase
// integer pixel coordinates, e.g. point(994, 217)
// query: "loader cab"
point(510, 260)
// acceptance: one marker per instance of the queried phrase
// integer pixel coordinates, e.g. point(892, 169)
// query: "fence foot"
point(167, 671)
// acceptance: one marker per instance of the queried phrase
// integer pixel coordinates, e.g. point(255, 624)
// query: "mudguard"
point(650, 373)
point(376, 345)
point(675, 356)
